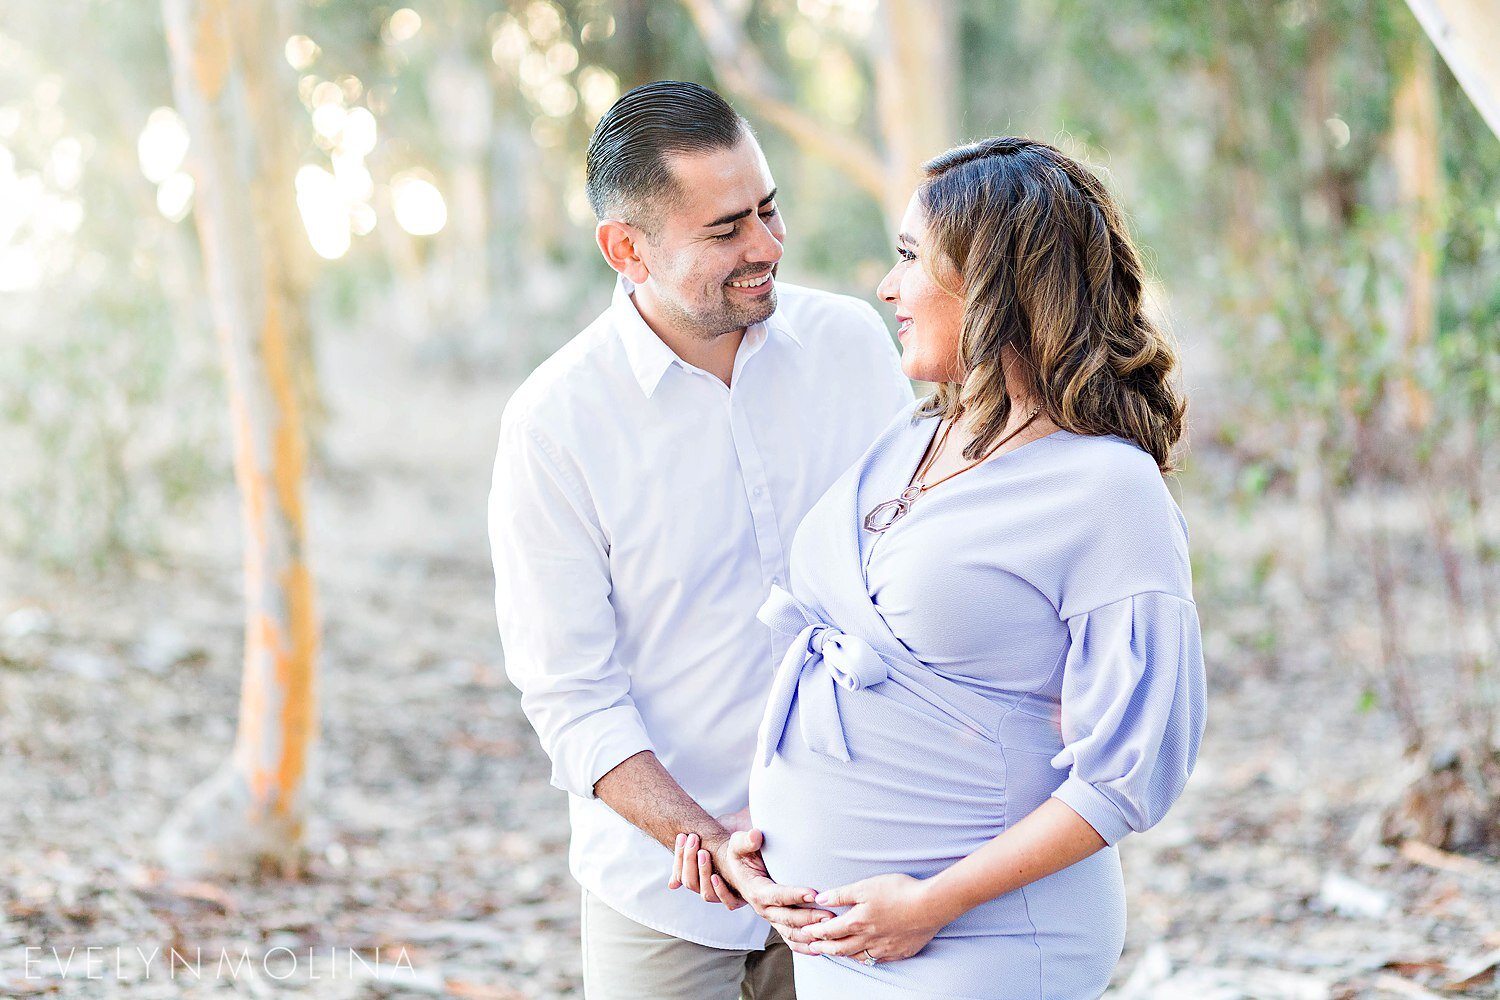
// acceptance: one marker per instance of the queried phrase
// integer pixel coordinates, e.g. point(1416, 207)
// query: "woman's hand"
point(737, 822)
point(693, 869)
point(785, 907)
point(692, 864)
point(890, 917)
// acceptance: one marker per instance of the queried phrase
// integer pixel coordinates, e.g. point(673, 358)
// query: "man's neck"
point(714, 355)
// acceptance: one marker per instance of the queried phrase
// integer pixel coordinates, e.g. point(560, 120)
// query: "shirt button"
point(758, 491)
point(776, 581)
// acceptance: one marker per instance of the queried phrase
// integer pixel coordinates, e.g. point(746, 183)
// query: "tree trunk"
point(1419, 170)
point(231, 91)
point(1467, 33)
point(463, 102)
point(633, 45)
point(914, 87)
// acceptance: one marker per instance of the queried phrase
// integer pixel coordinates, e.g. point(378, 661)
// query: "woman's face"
point(928, 317)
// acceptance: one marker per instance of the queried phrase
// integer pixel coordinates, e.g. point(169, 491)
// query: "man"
point(650, 477)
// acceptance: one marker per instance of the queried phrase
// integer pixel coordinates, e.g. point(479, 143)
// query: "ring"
point(868, 959)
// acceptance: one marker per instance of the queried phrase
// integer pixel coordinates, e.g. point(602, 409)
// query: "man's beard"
point(727, 317)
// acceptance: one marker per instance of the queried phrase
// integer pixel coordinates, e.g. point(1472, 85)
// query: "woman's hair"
point(1051, 284)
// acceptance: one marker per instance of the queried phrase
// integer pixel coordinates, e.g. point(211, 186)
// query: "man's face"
point(712, 259)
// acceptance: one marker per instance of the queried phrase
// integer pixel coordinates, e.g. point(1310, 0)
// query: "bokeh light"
point(599, 89)
point(328, 121)
point(1338, 131)
point(598, 30)
point(162, 145)
point(353, 177)
point(543, 21)
point(509, 43)
point(853, 16)
point(401, 26)
point(174, 196)
point(324, 210)
point(557, 98)
point(301, 52)
point(362, 218)
point(358, 135)
point(418, 204)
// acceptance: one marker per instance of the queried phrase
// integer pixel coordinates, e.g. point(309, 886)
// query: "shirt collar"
point(649, 356)
point(778, 324)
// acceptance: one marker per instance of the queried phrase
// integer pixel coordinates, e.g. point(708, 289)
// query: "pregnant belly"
point(919, 792)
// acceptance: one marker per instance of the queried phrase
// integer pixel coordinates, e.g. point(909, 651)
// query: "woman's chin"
point(918, 372)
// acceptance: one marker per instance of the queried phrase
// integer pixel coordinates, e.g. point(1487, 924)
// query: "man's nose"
point(766, 246)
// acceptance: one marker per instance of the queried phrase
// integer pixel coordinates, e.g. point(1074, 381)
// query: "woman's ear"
point(618, 242)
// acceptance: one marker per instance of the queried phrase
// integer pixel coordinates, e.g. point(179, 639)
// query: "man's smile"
point(754, 284)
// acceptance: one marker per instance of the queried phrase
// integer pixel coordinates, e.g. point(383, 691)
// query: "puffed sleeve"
point(1132, 711)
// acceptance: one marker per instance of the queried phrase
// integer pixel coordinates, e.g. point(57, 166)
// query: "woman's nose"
point(888, 286)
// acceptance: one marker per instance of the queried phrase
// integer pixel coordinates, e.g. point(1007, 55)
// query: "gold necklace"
point(882, 516)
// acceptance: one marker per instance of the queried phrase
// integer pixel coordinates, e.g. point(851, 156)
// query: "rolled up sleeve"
point(552, 602)
point(1133, 707)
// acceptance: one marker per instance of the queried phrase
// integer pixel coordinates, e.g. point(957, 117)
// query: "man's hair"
point(627, 173)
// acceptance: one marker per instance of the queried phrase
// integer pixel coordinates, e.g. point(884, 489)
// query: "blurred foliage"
point(1250, 143)
point(109, 408)
point(1305, 177)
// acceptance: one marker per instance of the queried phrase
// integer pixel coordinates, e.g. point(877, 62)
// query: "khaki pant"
point(623, 960)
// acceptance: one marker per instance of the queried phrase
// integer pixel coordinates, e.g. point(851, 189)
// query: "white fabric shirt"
point(640, 513)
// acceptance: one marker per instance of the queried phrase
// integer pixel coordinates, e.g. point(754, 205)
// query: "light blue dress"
point(1027, 630)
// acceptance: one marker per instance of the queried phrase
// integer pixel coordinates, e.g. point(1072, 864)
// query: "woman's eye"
point(905, 254)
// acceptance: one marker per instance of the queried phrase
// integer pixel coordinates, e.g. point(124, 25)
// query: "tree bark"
point(633, 45)
point(1418, 166)
point(229, 90)
point(914, 86)
point(1467, 33)
point(463, 102)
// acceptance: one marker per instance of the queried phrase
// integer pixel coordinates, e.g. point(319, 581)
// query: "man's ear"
point(617, 241)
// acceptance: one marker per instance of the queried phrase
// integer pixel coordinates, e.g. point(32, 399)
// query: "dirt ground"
point(441, 844)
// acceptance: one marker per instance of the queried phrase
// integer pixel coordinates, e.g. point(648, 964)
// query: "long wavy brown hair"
point(1051, 286)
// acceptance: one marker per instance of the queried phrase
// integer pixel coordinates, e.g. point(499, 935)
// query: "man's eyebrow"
point(737, 216)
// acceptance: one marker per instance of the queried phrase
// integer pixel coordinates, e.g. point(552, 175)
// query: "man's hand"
point(719, 860)
point(730, 870)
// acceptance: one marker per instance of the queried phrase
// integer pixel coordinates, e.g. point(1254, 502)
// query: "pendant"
point(888, 513)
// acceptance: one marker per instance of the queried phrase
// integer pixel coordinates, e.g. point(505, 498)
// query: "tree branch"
point(742, 72)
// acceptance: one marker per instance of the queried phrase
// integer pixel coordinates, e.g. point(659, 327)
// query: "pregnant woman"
point(995, 669)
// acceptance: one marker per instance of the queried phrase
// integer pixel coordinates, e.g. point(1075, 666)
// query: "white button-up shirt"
point(641, 511)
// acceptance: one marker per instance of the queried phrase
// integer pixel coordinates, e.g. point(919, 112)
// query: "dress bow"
point(820, 657)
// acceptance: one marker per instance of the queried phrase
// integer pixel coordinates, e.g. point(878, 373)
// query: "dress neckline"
point(908, 463)
point(988, 461)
